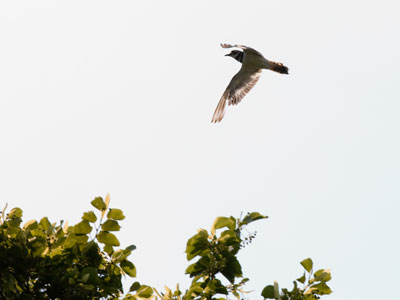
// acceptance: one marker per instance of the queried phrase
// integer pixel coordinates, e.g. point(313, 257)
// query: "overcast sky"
point(116, 97)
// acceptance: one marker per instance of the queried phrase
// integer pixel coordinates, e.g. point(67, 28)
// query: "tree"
point(43, 260)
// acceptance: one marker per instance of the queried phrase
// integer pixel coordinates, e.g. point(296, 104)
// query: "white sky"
point(117, 97)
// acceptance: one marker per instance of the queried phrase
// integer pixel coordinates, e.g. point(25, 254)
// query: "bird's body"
point(253, 62)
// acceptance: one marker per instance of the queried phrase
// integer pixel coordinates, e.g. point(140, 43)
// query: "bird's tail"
point(278, 67)
point(220, 110)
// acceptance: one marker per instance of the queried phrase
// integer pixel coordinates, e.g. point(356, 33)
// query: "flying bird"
point(252, 64)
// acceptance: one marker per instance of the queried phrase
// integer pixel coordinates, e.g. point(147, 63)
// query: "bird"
point(253, 62)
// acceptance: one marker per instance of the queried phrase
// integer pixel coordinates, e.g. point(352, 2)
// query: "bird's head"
point(236, 54)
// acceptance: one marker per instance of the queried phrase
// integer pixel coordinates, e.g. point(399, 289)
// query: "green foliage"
point(217, 256)
point(314, 288)
point(44, 260)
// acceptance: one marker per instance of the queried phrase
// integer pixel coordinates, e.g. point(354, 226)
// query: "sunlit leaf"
point(31, 224)
point(228, 235)
point(251, 217)
point(120, 255)
point(221, 222)
point(38, 232)
point(15, 213)
point(57, 251)
point(107, 200)
point(323, 275)
point(145, 291)
point(98, 203)
point(65, 227)
point(321, 289)
point(108, 249)
point(89, 216)
point(110, 225)
point(307, 264)
point(302, 279)
point(83, 227)
point(276, 289)
point(107, 238)
point(197, 244)
point(70, 241)
point(81, 238)
point(45, 224)
point(115, 214)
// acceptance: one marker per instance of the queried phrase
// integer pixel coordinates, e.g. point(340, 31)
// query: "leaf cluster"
point(44, 260)
point(314, 285)
point(216, 256)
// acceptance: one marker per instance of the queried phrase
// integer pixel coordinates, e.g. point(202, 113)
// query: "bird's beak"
point(227, 54)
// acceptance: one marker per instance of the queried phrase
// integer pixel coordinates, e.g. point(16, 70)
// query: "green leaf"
point(232, 267)
point(251, 217)
point(110, 225)
point(145, 291)
point(302, 279)
point(221, 222)
point(98, 203)
point(32, 224)
point(89, 275)
point(85, 277)
point(108, 249)
point(57, 251)
point(307, 264)
point(197, 244)
point(89, 216)
point(323, 275)
point(268, 292)
point(81, 238)
point(216, 286)
point(197, 268)
point(70, 241)
point(131, 247)
point(115, 214)
point(88, 287)
point(83, 227)
point(15, 213)
point(38, 232)
point(129, 268)
point(120, 255)
point(135, 286)
point(229, 235)
point(107, 238)
point(46, 225)
point(320, 289)
point(195, 290)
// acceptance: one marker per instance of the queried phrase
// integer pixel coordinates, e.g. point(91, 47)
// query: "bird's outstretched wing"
point(233, 46)
point(239, 86)
point(245, 49)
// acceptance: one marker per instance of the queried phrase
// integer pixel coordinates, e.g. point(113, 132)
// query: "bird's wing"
point(233, 46)
point(239, 86)
point(244, 48)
